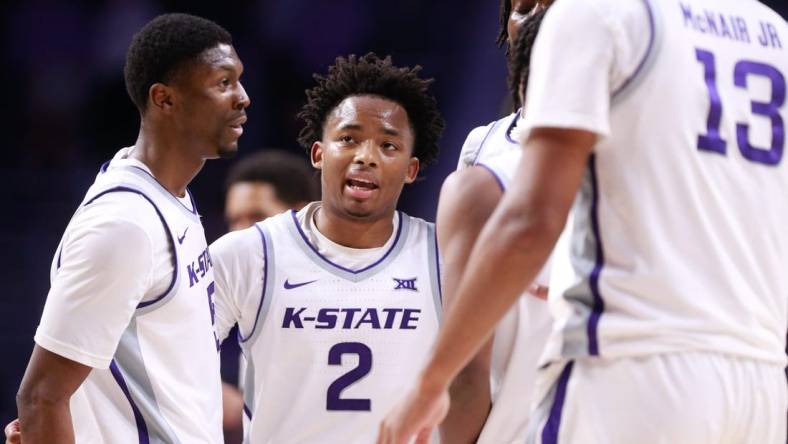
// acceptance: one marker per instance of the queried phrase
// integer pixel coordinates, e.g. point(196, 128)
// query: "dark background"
point(65, 108)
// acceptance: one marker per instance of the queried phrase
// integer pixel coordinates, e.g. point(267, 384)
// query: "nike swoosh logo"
point(181, 238)
point(289, 286)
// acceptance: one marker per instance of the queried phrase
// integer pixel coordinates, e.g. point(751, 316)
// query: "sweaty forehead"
point(369, 110)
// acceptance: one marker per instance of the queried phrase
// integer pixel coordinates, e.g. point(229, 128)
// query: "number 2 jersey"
point(331, 335)
point(680, 239)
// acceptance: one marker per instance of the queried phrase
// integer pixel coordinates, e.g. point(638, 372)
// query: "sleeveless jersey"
point(163, 383)
point(332, 349)
point(521, 335)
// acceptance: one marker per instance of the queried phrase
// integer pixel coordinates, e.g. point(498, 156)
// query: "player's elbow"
point(472, 377)
point(36, 396)
point(523, 230)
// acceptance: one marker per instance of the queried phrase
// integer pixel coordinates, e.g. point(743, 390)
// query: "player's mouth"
point(361, 185)
point(237, 125)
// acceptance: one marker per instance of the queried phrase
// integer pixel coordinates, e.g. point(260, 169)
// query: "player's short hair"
point(371, 75)
point(290, 175)
point(163, 46)
point(519, 59)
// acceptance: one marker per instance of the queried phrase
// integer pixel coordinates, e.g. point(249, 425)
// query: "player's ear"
point(413, 170)
point(316, 155)
point(160, 96)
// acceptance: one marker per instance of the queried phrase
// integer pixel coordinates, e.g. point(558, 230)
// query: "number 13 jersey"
point(680, 239)
point(329, 348)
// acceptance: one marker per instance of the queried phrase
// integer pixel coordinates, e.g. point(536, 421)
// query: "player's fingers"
point(540, 291)
point(384, 433)
point(424, 436)
point(13, 434)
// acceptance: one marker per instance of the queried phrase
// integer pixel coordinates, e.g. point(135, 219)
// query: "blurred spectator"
point(259, 186)
point(265, 184)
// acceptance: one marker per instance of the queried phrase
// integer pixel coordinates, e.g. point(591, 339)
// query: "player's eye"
point(346, 139)
point(389, 146)
point(225, 82)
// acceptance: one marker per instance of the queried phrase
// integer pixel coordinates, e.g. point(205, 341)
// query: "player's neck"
point(354, 233)
point(173, 166)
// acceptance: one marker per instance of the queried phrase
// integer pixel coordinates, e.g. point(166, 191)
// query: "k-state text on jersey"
point(199, 267)
point(352, 318)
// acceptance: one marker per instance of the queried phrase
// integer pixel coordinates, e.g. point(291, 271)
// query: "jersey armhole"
point(268, 287)
point(647, 60)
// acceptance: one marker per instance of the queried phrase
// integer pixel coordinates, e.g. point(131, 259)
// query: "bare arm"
point(43, 398)
point(512, 248)
point(467, 200)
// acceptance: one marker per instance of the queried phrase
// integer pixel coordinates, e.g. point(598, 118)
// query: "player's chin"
point(358, 209)
point(227, 150)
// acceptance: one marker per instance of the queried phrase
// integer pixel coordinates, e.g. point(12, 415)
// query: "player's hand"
point(13, 434)
point(416, 416)
point(539, 291)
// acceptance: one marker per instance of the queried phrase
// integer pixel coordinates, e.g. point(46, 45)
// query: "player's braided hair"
point(164, 45)
point(371, 75)
point(520, 58)
point(503, 20)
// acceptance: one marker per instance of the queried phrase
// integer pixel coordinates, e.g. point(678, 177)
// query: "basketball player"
point(126, 351)
point(674, 139)
point(259, 186)
point(266, 184)
point(502, 372)
point(337, 304)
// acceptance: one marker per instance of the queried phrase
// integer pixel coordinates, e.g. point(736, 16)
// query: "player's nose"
point(243, 100)
point(366, 153)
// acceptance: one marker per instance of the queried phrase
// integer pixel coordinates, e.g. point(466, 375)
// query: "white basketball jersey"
point(680, 235)
point(332, 349)
point(163, 384)
point(522, 333)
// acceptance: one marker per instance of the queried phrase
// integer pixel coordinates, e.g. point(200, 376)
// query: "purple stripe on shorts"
point(142, 429)
point(551, 427)
point(593, 281)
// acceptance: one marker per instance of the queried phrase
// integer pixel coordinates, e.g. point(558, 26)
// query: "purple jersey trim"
point(104, 166)
point(241, 338)
point(247, 411)
point(194, 202)
point(368, 267)
point(599, 303)
point(511, 127)
point(166, 230)
point(494, 174)
point(142, 429)
point(553, 424)
point(481, 145)
point(192, 210)
point(438, 266)
point(649, 48)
